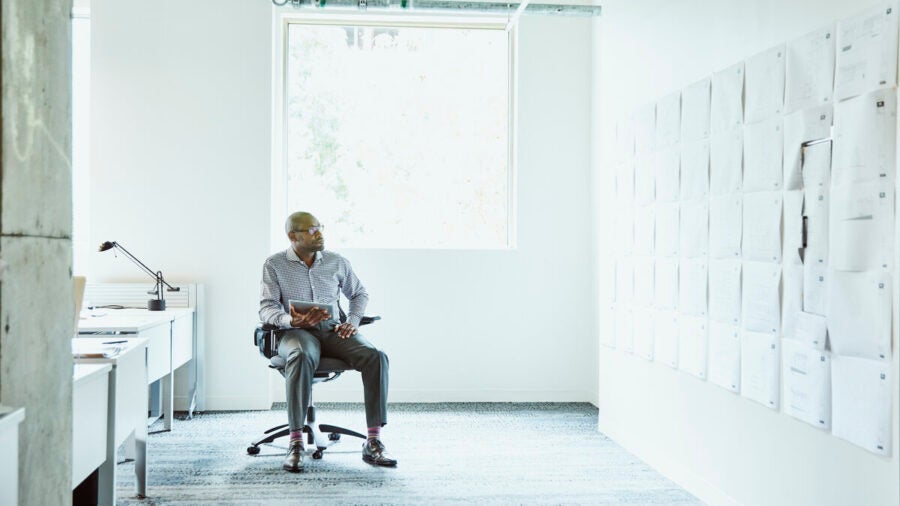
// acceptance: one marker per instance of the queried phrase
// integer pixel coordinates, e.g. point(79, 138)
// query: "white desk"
point(91, 417)
point(170, 343)
point(10, 418)
point(127, 409)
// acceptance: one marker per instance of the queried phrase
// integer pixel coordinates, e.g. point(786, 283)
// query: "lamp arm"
point(140, 264)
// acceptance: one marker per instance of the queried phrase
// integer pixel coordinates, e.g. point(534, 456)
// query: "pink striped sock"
point(297, 435)
point(374, 432)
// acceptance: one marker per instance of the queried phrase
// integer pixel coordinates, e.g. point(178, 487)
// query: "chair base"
point(315, 435)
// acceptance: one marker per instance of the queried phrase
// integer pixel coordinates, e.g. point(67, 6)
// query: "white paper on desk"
point(807, 383)
point(763, 145)
point(725, 291)
point(726, 161)
point(694, 240)
point(644, 229)
point(810, 329)
point(815, 284)
point(864, 138)
point(665, 345)
point(760, 367)
point(764, 86)
point(802, 127)
point(725, 225)
point(625, 182)
point(625, 139)
point(762, 226)
point(816, 165)
point(695, 111)
point(859, 314)
point(643, 333)
point(666, 283)
point(725, 355)
point(793, 226)
point(760, 303)
point(792, 298)
point(624, 281)
point(692, 286)
point(645, 129)
point(861, 227)
point(727, 101)
point(624, 328)
point(861, 402)
point(692, 344)
point(668, 120)
point(643, 281)
point(866, 52)
point(694, 169)
point(624, 219)
point(809, 72)
point(667, 218)
point(668, 166)
point(644, 180)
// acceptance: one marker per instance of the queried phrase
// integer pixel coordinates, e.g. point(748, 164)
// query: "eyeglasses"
point(312, 230)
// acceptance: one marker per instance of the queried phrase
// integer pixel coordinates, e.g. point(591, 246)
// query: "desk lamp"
point(159, 303)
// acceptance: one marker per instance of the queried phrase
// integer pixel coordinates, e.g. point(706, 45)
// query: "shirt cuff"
point(285, 321)
point(354, 320)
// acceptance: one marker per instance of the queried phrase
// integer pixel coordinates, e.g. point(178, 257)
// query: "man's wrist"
point(286, 321)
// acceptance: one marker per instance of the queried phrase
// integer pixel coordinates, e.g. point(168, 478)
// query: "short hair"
point(294, 218)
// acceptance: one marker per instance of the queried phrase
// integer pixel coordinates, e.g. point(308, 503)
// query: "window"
point(398, 136)
point(81, 131)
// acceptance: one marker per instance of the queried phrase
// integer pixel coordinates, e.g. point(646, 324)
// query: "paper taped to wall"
point(861, 402)
point(725, 356)
point(727, 100)
point(666, 338)
point(809, 69)
point(865, 131)
point(725, 225)
point(763, 146)
point(807, 383)
point(866, 52)
point(666, 281)
point(859, 314)
point(692, 343)
point(760, 367)
point(668, 164)
point(725, 291)
point(695, 111)
point(861, 227)
point(694, 169)
point(764, 84)
point(726, 158)
point(694, 239)
point(802, 127)
point(668, 120)
point(667, 218)
point(762, 226)
point(760, 303)
point(644, 228)
point(643, 333)
point(692, 286)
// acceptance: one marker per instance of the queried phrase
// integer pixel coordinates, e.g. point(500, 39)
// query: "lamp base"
point(156, 305)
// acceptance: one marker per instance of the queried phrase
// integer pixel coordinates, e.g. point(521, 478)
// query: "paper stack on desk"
point(96, 348)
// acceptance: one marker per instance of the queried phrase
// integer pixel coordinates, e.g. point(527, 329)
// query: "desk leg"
point(140, 459)
point(106, 477)
point(168, 388)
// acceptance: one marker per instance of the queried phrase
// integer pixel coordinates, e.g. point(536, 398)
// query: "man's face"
point(307, 235)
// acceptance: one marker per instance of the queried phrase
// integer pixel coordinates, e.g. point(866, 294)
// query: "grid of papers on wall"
point(755, 228)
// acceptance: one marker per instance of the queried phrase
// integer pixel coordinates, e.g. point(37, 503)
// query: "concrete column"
point(36, 306)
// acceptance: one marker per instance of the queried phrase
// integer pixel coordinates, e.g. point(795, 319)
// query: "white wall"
point(181, 176)
point(718, 445)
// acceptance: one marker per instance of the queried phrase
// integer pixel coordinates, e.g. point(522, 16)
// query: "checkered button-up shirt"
point(285, 277)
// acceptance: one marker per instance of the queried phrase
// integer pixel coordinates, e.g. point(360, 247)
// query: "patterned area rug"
point(465, 453)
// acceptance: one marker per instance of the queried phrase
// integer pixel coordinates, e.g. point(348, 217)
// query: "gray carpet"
point(466, 453)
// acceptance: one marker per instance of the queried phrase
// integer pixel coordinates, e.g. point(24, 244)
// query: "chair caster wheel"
point(317, 454)
point(252, 450)
point(334, 436)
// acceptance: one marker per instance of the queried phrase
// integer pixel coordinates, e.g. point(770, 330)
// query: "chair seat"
point(327, 365)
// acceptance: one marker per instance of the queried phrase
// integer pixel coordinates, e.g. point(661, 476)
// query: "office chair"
point(265, 337)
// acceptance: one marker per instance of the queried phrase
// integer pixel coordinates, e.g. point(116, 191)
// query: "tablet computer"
point(303, 306)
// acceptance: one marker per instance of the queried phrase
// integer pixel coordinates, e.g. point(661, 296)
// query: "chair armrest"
point(365, 320)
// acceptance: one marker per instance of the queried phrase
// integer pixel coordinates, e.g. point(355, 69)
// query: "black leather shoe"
point(293, 462)
point(373, 453)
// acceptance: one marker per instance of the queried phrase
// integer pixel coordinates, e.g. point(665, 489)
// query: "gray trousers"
point(301, 350)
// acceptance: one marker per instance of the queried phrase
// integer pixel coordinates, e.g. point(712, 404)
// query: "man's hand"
point(308, 319)
point(345, 330)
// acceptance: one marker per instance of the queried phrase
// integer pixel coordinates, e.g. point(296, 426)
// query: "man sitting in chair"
point(307, 272)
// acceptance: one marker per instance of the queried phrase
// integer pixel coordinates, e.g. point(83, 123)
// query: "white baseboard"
point(675, 471)
point(227, 403)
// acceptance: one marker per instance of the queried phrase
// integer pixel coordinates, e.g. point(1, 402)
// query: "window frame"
point(284, 17)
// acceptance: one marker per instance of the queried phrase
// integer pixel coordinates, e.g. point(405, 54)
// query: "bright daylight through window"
point(398, 137)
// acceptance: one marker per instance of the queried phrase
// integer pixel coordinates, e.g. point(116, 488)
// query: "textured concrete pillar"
point(36, 307)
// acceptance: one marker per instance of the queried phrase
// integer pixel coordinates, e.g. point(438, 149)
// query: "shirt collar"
point(291, 255)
